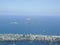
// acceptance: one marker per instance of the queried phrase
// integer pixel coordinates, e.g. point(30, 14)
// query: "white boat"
point(13, 43)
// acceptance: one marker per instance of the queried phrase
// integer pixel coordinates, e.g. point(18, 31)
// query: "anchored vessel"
point(30, 37)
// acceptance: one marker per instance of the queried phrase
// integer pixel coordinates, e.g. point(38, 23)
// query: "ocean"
point(46, 25)
point(24, 43)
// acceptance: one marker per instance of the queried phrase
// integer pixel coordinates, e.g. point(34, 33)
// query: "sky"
point(29, 7)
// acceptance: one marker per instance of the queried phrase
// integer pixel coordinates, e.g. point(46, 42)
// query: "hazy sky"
point(29, 7)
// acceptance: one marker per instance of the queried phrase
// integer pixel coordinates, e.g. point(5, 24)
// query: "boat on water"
point(13, 43)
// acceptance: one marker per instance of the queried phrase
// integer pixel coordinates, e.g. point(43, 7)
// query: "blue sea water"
point(47, 25)
point(23, 43)
point(26, 43)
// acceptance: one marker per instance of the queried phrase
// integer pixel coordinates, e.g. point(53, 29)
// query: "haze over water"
point(47, 25)
point(29, 17)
